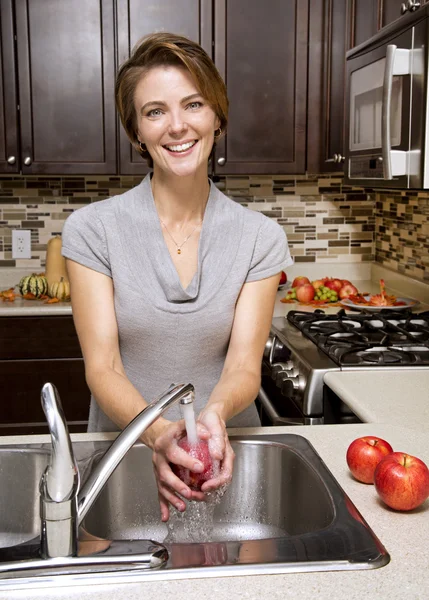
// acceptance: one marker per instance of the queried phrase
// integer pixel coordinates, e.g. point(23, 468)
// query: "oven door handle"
point(273, 414)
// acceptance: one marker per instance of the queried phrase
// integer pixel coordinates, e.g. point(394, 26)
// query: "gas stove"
point(390, 339)
point(303, 346)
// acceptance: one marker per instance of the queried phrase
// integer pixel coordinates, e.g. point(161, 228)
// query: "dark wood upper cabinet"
point(137, 18)
point(329, 40)
point(335, 26)
point(261, 52)
point(9, 148)
point(66, 70)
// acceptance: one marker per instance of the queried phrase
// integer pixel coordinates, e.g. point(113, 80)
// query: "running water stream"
point(196, 523)
point(190, 423)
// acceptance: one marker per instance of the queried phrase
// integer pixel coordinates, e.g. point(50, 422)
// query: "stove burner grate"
point(396, 338)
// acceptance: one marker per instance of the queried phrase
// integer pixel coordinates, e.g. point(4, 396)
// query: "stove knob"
point(278, 368)
point(282, 377)
point(291, 384)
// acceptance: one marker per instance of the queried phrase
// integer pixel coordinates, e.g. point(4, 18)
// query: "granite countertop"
point(397, 397)
point(366, 279)
point(404, 535)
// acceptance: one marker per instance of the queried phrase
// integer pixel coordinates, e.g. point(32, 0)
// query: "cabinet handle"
point(221, 161)
point(11, 160)
point(27, 161)
point(337, 158)
point(410, 5)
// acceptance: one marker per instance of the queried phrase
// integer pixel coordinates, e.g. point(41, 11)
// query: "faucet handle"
point(61, 480)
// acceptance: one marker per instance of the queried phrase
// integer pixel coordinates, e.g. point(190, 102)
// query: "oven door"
point(383, 135)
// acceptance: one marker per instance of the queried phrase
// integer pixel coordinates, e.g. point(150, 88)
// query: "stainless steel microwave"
point(387, 126)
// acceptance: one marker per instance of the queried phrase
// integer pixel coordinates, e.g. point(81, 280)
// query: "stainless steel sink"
point(283, 512)
point(275, 493)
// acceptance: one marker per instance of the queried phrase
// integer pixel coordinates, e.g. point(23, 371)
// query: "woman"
point(172, 281)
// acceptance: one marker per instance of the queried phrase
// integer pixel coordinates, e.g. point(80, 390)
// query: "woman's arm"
point(96, 326)
point(240, 380)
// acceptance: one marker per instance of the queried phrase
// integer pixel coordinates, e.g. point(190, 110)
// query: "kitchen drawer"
point(38, 337)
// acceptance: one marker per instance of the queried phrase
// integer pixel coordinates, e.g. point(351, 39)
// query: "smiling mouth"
point(178, 148)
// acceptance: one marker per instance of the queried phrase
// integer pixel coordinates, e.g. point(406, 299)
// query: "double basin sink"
point(283, 512)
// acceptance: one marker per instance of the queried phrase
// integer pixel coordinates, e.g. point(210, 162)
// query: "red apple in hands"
point(305, 293)
point(200, 451)
point(402, 481)
point(364, 454)
point(347, 290)
point(283, 278)
point(298, 281)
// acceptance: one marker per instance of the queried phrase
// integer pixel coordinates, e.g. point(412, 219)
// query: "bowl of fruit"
point(328, 290)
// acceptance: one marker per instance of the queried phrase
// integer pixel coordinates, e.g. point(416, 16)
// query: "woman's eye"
point(195, 105)
point(155, 112)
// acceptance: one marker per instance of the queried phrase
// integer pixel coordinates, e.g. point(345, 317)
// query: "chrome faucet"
point(59, 484)
point(62, 507)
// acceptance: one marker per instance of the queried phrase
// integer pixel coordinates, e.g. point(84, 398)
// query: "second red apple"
point(402, 481)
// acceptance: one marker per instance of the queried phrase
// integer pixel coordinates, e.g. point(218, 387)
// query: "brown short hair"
point(160, 49)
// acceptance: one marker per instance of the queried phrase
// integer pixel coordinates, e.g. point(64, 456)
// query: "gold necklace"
point(179, 247)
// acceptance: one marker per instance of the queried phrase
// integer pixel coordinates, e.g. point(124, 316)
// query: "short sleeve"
point(84, 240)
point(271, 254)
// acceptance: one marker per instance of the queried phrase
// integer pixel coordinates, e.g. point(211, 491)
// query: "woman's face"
point(174, 121)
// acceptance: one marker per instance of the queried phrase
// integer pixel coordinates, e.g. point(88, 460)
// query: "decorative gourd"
point(60, 289)
point(55, 262)
point(34, 284)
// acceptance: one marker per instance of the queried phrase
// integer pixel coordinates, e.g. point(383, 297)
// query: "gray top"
point(168, 334)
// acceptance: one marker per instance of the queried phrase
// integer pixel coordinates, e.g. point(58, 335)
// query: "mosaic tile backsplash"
point(324, 220)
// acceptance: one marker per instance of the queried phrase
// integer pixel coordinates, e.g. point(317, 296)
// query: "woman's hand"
point(165, 451)
point(219, 447)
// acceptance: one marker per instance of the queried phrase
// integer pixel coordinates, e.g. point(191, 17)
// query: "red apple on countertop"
point(283, 278)
point(364, 454)
point(334, 284)
point(298, 281)
point(200, 451)
point(347, 290)
point(305, 293)
point(402, 481)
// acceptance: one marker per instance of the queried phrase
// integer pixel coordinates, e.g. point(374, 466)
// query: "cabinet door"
point(137, 18)
point(66, 86)
point(21, 382)
point(9, 159)
point(328, 44)
point(261, 52)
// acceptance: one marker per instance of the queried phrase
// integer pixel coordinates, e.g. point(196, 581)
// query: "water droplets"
point(196, 523)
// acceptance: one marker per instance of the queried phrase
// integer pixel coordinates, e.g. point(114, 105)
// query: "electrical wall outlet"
point(21, 243)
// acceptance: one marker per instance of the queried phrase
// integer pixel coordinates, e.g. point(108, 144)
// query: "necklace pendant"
point(179, 251)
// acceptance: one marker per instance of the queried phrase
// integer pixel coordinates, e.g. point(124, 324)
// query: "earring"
point(143, 148)
point(217, 135)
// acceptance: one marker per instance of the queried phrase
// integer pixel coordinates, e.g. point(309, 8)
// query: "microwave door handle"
point(385, 111)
